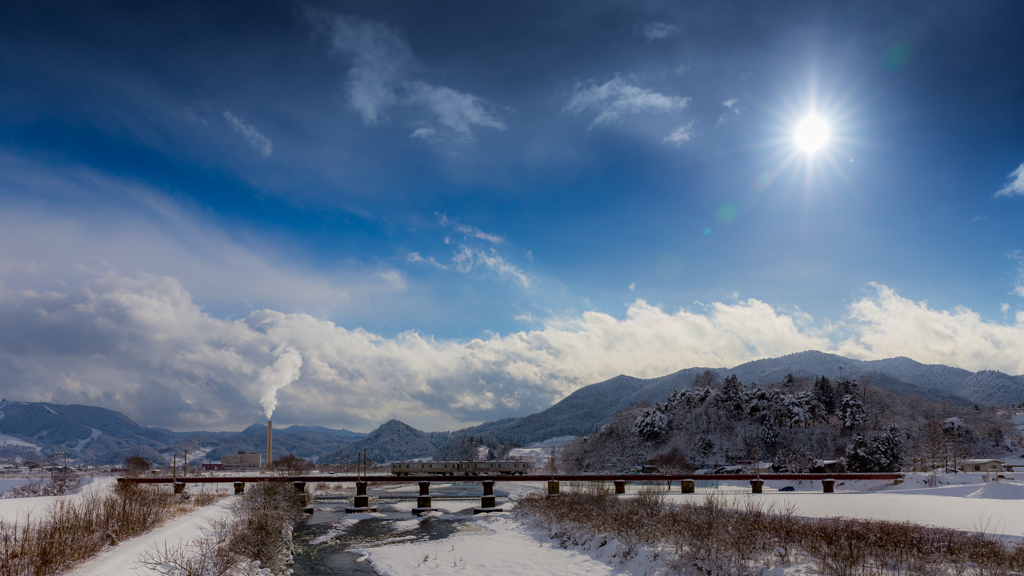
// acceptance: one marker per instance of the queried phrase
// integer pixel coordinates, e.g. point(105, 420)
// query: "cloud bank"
point(142, 346)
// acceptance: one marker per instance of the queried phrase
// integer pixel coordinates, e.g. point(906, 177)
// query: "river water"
point(325, 542)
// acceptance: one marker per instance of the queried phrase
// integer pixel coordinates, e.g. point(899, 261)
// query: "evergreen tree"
point(852, 411)
point(859, 457)
point(825, 394)
point(769, 437)
point(888, 450)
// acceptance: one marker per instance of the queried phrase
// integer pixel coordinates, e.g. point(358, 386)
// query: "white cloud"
point(382, 77)
point(657, 30)
point(468, 259)
point(424, 133)
point(1016, 187)
point(680, 134)
point(1004, 307)
point(504, 268)
point(730, 103)
point(617, 98)
point(415, 257)
point(120, 227)
point(722, 119)
point(456, 110)
point(142, 346)
point(1018, 287)
point(381, 61)
point(252, 135)
point(682, 69)
point(469, 231)
point(632, 286)
point(889, 325)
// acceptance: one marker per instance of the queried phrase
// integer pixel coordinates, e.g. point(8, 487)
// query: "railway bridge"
point(361, 503)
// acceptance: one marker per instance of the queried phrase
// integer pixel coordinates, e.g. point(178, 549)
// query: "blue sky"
point(184, 186)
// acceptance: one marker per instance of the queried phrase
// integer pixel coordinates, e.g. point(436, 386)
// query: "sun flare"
point(811, 133)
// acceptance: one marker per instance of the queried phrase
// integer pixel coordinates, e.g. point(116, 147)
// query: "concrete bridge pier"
point(687, 486)
point(423, 501)
point(487, 501)
point(756, 486)
point(828, 486)
point(301, 497)
point(361, 501)
point(239, 488)
point(552, 487)
point(620, 486)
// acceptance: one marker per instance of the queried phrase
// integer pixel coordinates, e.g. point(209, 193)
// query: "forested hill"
point(393, 440)
point(591, 407)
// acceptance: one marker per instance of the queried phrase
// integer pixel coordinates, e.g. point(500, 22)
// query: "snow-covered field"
point(12, 509)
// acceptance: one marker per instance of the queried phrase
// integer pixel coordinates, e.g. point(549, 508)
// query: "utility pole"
point(184, 466)
point(174, 468)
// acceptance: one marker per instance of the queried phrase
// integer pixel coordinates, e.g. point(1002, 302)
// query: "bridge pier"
point(755, 486)
point(239, 488)
point(488, 502)
point(620, 486)
point(361, 501)
point(423, 501)
point(687, 486)
point(828, 486)
point(301, 497)
point(552, 487)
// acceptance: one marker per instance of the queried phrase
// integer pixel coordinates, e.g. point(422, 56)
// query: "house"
point(982, 466)
point(210, 466)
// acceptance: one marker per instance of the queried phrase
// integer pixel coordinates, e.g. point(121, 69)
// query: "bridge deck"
point(511, 478)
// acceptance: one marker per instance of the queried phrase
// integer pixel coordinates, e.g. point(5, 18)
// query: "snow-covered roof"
point(981, 461)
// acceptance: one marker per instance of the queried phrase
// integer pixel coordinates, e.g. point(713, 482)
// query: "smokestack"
point(270, 442)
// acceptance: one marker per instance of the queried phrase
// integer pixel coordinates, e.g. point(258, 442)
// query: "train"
point(459, 468)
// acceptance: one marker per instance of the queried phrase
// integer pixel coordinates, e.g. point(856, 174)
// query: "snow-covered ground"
point(122, 560)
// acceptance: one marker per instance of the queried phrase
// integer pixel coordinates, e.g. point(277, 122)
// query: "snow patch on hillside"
point(86, 441)
point(11, 441)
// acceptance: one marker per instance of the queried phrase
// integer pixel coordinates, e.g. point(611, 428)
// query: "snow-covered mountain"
point(587, 409)
point(392, 440)
point(33, 430)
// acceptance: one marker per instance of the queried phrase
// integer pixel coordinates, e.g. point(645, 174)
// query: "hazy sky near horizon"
point(450, 212)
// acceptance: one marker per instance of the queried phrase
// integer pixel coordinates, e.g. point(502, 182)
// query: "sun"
point(811, 133)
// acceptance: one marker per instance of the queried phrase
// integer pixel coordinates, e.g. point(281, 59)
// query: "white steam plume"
point(281, 373)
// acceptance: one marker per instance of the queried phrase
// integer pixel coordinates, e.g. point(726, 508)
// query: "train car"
point(459, 468)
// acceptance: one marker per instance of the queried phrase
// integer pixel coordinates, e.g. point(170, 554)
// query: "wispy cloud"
point(1015, 187)
point(424, 133)
point(657, 30)
point(680, 134)
point(416, 257)
point(456, 110)
point(382, 76)
point(467, 230)
point(617, 98)
point(1018, 287)
point(504, 268)
point(730, 103)
point(252, 135)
